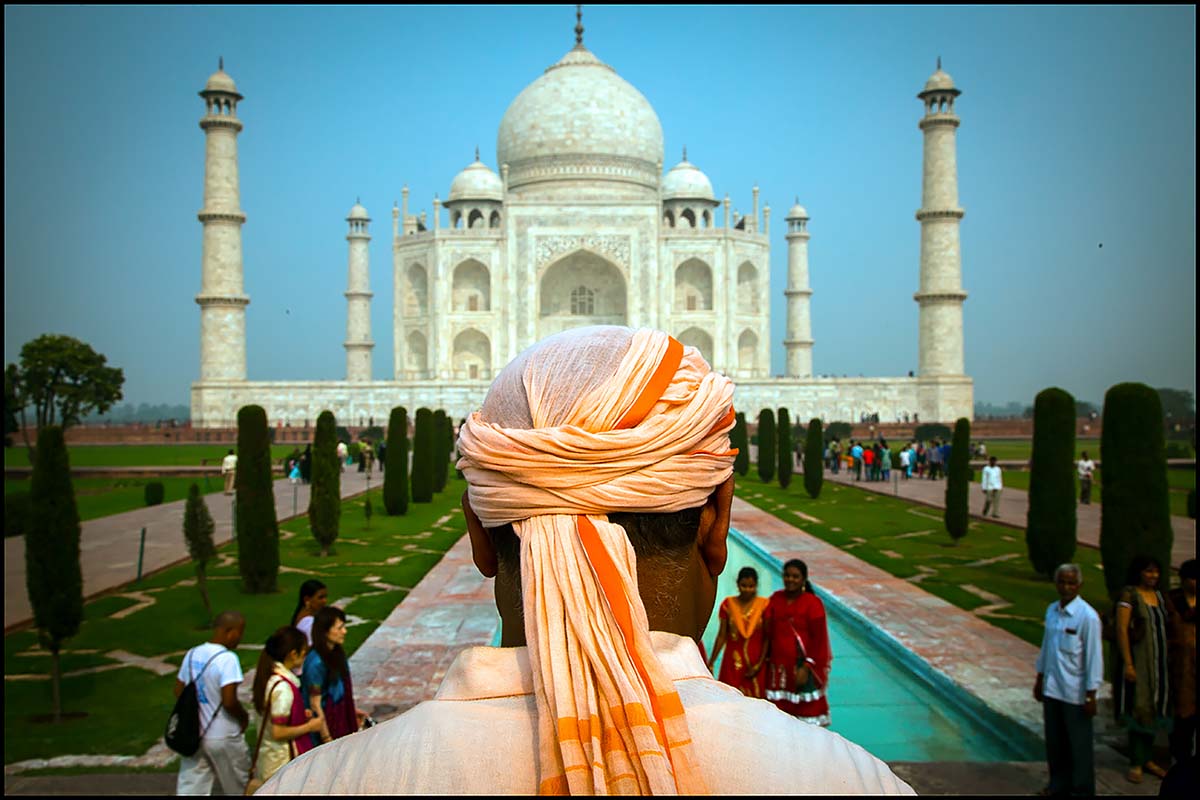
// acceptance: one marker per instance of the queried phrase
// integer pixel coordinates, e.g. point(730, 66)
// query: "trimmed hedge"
point(1135, 517)
point(254, 506)
point(766, 445)
point(814, 459)
point(395, 480)
point(423, 456)
point(1050, 523)
point(154, 492)
point(786, 449)
point(958, 481)
point(739, 440)
point(325, 498)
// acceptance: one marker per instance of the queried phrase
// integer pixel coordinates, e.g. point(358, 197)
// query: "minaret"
point(940, 296)
point(799, 340)
point(221, 300)
point(358, 298)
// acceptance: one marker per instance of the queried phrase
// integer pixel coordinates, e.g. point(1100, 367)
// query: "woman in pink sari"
point(799, 657)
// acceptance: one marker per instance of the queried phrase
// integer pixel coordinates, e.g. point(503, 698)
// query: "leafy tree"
point(814, 459)
point(739, 440)
point(325, 499)
point(257, 528)
point(786, 448)
point(1135, 518)
point(53, 577)
point(423, 456)
point(343, 435)
point(1177, 404)
point(441, 449)
point(198, 528)
point(839, 430)
point(766, 445)
point(928, 431)
point(395, 478)
point(1082, 409)
point(373, 434)
point(1050, 523)
point(12, 380)
point(63, 379)
point(958, 481)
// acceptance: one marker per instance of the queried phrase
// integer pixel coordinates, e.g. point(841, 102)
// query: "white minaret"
point(358, 298)
point(941, 295)
point(799, 340)
point(221, 300)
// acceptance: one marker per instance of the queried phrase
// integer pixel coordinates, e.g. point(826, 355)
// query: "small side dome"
point(476, 182)
point(219, 81)
point(939, 81)
point(685, 181)
point(797, 212)
point(358, 212)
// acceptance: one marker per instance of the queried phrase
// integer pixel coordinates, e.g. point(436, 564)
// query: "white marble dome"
point(358, 212)
point(219, 81)
point(476, 182)
point(685, 181)
point(580, 117)
point(939, 81)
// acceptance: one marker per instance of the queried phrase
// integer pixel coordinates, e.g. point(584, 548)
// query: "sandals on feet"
point(1155, 770)
point(1134, 775)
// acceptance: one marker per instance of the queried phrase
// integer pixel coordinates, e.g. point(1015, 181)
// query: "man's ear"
point(712, 539)
point(482, 550)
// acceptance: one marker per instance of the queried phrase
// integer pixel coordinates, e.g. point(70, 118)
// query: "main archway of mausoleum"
point(580, 289)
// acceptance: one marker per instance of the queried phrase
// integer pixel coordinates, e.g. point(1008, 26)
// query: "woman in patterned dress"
point(1141, 687)
point(799, 657)
point(741, 628)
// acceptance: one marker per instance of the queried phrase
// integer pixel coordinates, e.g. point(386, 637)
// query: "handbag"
point(183, 734)
point(255, 783)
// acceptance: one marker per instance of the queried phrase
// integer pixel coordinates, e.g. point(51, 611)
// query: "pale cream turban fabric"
point(587, 422)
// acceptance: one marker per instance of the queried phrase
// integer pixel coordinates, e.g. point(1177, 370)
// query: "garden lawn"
point(141, 455)
point(1179, 481)
point(127, 706)
point(909, 541)
point(100, 497)
point(1022, 449)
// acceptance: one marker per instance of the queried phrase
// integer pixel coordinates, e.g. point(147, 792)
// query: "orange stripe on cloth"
point(658, 384)
point(557, 786)
point(728, 419)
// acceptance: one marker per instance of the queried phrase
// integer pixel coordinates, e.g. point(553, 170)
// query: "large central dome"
point(580, 120)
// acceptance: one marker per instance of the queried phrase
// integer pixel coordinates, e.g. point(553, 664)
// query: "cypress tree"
point(1050, 524)
point(441, 450)
point(325, 498)
point(257, 529)
point(785, 449)
point(739, 440)
point(814, 459)
point(53, 577)
point(423, 456)
point(1135, 517)
point(766, 445)
point(395, 480)
point(198, 527)
point(958, 481)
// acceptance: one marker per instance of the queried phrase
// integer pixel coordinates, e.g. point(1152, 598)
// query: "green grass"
point(141, 455)
point(128, 706)
point(100, 497)
point(1021, 449)
point(1180, 481)
point(847, 514)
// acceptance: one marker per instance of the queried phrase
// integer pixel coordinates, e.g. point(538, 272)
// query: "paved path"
point(109, 545)
point(1014, 506)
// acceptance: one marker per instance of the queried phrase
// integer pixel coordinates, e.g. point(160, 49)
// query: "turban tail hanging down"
point(587, 422)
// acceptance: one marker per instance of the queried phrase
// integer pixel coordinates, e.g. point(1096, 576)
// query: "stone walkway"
point(1014, 506)
point(109, 545)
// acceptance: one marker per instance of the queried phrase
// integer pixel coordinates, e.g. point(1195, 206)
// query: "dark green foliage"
point(1191, 505)
point(53, 577)
point(353, 450)
point(814, 459)
point(1178, 449)
point(766, 445)
point(1050, 524)
point(786, 449)
point(257, 528)
point(198, 527)
point(739, 440)
point(373, 434)
point(928, 431)
point(441, 449)
point(343, 434)
point(154, 493)
point(1135, 517)
point(395, 477)
point(958, 481)
point(17, 509)
point(325, 499)
point(838, 430)
point(423, 456)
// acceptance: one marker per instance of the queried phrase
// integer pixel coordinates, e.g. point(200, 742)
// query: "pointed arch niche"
point(416, 290)
point(747, 289)
point(700, 340)
point(472, 358)
point(693, 286)
point(747, 353)
point(472, 287)
point(580, 289)
point(417, 362)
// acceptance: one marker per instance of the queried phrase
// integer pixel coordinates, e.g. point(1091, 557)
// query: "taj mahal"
point(580, 226)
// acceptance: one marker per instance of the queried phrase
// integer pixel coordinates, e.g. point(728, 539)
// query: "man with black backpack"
point(215, 672)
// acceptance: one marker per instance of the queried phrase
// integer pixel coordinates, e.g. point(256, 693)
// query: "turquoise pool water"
point(877, 701)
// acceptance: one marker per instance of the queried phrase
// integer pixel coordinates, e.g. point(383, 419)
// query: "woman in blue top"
point(325, 679)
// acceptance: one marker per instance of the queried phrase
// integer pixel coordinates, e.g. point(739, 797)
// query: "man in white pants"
point(992, 485)
point(217, 671)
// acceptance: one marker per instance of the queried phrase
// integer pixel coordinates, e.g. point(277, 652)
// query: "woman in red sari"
point(799, 657)
point(741, 628)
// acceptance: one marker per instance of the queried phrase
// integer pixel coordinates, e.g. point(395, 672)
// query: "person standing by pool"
point(741, 627)
point(1141, 690)
point(313, 597)
point(1181, 604)
point(799, 658)
point(1070, 667)
point(325, 679)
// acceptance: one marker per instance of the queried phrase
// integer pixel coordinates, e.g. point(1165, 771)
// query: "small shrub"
point(786, 449)
point(324, 501)
point(1050, 522)
point(354, 449)
point(257, 528)
point(928, 431)
point(814, 460)
point(16, 514)
point(958, 481)
point(395, 478)
point(838, 430)
point(766, 445)
point(154, 493)
point(423, 456)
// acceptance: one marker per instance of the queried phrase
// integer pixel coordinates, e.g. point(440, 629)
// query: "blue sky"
point(1078, 130)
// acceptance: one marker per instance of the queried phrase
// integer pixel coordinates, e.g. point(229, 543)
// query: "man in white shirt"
point(229, 470)
point(1070, 667)
point(1086, 467)
point(992, 485)
point(215, 668)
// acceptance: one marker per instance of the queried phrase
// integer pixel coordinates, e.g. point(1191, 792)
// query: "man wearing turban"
point(600, 482)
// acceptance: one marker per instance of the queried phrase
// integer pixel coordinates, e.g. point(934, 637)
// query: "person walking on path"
point(314, 596)
point(993, 484)
point(885, 462)
point(286, 723)
point(229, 470)
point(1070, 667)
point(741, 627)
point(798, 653)
point(1141, 685)
point(342, 452)
point(1086, 467)
point(835, 452)
point(1181, 606)
point(217, 672)
point(325, 679)
point(856, 452)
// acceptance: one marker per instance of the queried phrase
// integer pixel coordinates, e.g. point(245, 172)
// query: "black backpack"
point(183, 732)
